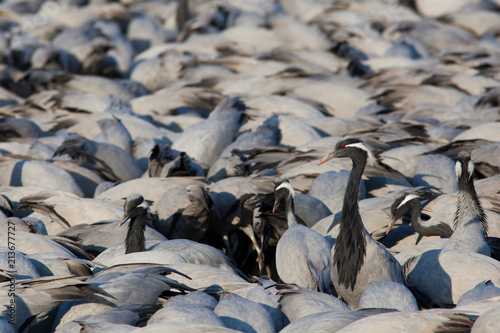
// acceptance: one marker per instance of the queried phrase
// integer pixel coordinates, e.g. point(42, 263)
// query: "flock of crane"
point(255, 166)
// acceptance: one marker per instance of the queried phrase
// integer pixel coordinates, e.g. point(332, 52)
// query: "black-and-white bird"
point(357, 259)
point(302, 254)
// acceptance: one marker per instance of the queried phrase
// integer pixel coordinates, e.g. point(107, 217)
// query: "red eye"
point(395, 209)
point(342, 146)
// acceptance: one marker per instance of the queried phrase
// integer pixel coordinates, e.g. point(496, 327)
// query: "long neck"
point(290, 212)
point(350, 218)
point(469, 214)
point(350, 247)
point(416, 222)
point(470, 221)
point(427, 228)
point(135, 241)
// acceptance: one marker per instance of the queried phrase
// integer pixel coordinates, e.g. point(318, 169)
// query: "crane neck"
point(350, 247)
point(350, 207)
point(290, 212)
point(416, 221)
point(135, 241)
point(469, 213)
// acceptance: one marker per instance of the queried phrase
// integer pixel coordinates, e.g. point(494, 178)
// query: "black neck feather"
point(441, 229)
point(135, 241)
point(350, 247)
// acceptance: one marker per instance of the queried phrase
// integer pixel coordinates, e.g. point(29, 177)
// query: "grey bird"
point(197, 253)
point(136, 209)
point(14, 172)
point(357, 259)
point(435, 171)
point(97, 237)
point(466, 251)
point(186, 313)
point(184, 212)
point(113, 132)
point(408, 203)
point(487, 322)
point(483, 291)
point(24, 268)
point(328, 321)
point(302, 254)
point(36, 298)
point(240, 314)
point(61, 210)
point(409, 322)
point(471, 226)
point(297, 302)
point(388, 295)
point(108, 160)
point(221, 127)
point(167, 162)
point(18, 128)
point(26, 224)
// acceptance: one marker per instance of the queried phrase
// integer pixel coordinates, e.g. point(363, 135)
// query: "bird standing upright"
point(302, 254)
point(137, 210)
point(471, 226)
point(464, 260)
point(357, 259)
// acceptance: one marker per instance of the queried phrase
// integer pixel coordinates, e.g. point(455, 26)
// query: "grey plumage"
point(462, 254)
point(357, 259)
point(471, 225)
point(297, 302)
point(487, 322)
point(483, 291)
point(330, 186)
point(302, 254)
point(36, 298)
point(111, 161)
point(18, 128)
point(388, 295)
point(239, 313)
point(435, 171)
point(184, 212)
point(167, 162)
point(221, 127)
point(97, 237)
point(408, 203)
point(136, 209)
point(113, 132)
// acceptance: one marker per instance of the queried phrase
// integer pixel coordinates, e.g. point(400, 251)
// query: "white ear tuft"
point(408, 198)
point(371, 157)
point(458, 169)
point(145, 205)
point(470, 168)
point(288, 186)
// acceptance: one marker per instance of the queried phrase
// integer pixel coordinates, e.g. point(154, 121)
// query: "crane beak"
point(123, 220)
point(275, 205)
point(390, 226)
point(325, 159)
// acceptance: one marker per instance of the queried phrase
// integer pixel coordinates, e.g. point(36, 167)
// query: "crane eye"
point(395, 209)
point(342, 146)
